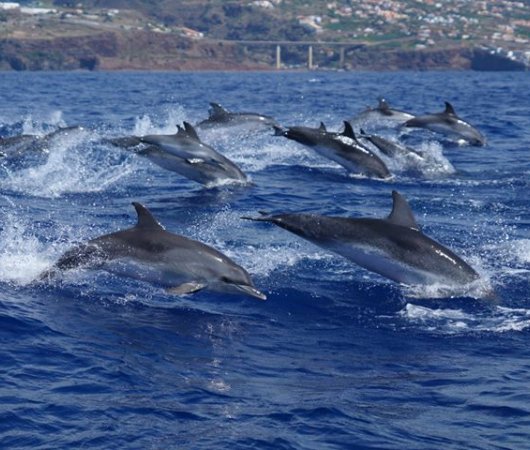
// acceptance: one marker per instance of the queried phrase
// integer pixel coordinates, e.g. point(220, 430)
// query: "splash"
point(74, 164)
point(167, 124)
point(261, 257)
point(430, 163)
point(23, 257)
point(478, 289)
point(499, 319)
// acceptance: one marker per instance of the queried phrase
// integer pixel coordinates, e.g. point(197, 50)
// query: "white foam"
point(431, 164)
point(498, 319)
point(167, 124)
point(23, 257)
point(30, 125)
point(259, 258)
point(519, 250)
point(72, 165)
point(479, 289)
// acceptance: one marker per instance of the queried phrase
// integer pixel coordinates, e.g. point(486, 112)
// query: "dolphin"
point(220, 117)
point(384, 111)
point(448, 123)
point(388, 147)
point(184, 153)
point(393, 247)
point(343, 148)
point(16, 145)
point(149, 253)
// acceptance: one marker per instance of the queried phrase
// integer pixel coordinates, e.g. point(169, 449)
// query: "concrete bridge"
point(310, 45)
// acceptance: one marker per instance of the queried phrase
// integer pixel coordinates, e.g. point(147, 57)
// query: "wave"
point(498, 319)
point(74, 163)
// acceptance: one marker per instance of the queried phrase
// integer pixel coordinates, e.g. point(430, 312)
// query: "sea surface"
point(337, 357)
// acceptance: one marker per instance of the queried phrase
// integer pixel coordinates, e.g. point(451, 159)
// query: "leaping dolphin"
point(343, 148)
point(393, 247)
point(385, 112)
point(185, 154)
point(17, 145)
point(220, 117)
point(388, 147)
point(448, 123)
point(150, 253)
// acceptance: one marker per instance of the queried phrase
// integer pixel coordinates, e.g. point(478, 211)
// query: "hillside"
point(240, 35)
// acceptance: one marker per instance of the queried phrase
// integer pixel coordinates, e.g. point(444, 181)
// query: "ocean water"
point(337, 357)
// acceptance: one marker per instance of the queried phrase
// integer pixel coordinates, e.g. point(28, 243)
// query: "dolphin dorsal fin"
point(401, 213)
point(348, 131)
point(383, 104)
point(145, 218)
point(217, 111)
point(322, 127)
point(188, 127)
point(449, 110)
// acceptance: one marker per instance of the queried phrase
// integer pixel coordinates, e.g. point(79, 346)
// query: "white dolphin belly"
point(382, 263)
point(158, 273)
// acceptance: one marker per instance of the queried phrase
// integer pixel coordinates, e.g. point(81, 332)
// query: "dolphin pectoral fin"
point(186, 288)
point(195, 161)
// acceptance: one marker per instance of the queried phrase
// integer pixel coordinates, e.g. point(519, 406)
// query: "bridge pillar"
point(278, 57)
point(310, 57)
point(341, 57)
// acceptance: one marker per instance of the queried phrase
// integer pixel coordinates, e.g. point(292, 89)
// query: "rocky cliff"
point(144, 50)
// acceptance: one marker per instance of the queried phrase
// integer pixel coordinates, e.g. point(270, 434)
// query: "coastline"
point(149, 51)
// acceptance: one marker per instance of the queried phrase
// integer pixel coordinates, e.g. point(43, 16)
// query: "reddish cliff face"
point(144, 50)
point(132, 50)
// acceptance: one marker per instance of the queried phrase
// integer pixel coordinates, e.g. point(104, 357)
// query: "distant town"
point(265, 34)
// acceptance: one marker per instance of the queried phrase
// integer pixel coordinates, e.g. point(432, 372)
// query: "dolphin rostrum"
point(185, 154)
point(150, 253)
point(343, 148)
point(448, 123)
point(393, 247)
point(220, 117)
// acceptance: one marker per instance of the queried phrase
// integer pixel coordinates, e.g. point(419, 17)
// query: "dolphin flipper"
point(186, 288)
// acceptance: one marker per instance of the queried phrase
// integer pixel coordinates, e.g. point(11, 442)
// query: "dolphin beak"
point(250, 290)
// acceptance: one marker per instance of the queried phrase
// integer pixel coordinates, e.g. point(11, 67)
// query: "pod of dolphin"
point(393, 247)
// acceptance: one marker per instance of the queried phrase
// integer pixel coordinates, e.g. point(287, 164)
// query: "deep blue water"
point(337, 357)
